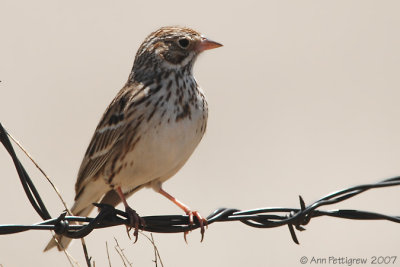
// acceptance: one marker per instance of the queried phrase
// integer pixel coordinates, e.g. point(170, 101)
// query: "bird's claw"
point(135, 221)
point(202, 222)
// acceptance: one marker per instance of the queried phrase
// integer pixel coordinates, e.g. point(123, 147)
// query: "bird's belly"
point(161, 151)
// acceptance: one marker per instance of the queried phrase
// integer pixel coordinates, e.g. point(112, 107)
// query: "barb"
point(294, 218)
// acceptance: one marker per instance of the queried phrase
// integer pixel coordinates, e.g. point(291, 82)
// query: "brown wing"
point(109, 132)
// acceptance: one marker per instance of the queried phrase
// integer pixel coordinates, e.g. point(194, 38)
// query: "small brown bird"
point(149, 130)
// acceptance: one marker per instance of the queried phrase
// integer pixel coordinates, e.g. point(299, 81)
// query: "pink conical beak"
point(207, 44)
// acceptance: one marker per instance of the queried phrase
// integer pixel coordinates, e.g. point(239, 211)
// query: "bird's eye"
point(184, 43)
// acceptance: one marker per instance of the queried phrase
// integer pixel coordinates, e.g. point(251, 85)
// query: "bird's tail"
point(82, 207)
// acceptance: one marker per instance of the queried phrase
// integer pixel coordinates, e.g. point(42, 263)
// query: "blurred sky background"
point(303, 98)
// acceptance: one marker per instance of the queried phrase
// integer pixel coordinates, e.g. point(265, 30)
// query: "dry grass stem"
point(122, 254)
point(156, 252)
point(108, 255)
point(85, 251)
point(71, 259)
point(41, 170)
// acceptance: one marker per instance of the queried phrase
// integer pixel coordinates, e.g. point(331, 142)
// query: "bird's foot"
point(202, 222)
point(135, 221)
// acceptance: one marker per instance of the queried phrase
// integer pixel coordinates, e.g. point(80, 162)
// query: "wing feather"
point(109, 132)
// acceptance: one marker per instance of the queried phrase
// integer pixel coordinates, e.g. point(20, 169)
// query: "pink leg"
point(188, 211)
point(134, 219)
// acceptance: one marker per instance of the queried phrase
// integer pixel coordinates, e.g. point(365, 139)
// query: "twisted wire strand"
point(294, 218)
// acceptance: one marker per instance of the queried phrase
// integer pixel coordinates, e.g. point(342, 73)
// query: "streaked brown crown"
point(166, 49)
point(173, 44)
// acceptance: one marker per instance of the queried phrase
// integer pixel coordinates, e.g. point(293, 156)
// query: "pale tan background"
point(303, 97)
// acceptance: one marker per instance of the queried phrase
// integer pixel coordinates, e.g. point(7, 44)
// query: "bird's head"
point(171, 48)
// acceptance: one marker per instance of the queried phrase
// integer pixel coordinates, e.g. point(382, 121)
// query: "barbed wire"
point(108, 216)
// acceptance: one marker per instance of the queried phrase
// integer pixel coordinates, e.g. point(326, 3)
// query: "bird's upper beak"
point(207, 44)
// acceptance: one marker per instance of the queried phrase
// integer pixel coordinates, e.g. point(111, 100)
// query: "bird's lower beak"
point(207, 44)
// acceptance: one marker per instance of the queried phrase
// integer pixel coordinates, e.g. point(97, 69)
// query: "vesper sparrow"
point(149, 130)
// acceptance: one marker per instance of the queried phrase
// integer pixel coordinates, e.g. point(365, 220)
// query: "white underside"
point(162, 149)
point(160, 153)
